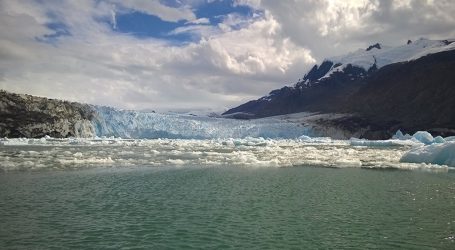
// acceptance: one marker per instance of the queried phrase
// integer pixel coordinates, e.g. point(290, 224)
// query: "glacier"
point(141, 139)
point(146, 125)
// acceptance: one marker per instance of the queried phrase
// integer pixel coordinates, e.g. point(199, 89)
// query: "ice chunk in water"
point(424, 137)
point(439, 139)
point(420, 136)
point(439, 153)
point(399, 136)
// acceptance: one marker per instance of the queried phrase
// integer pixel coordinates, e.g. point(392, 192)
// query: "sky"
point(193, 54)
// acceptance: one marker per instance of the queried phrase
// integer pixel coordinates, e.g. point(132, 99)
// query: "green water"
point(225, 207)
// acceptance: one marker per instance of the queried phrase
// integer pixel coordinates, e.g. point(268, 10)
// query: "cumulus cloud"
point(203, 20)
point(64, 49)
point(330, 27)
point(228, 65)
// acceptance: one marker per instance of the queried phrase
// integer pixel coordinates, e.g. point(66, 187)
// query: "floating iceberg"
point(425, 148)
point(50, 153)
point(382, 143)
point(438, 153)
point(421, 136)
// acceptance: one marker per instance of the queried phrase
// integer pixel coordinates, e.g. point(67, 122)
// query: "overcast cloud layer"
point(71, 49)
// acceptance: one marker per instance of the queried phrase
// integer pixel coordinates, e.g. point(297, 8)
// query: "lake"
point(192, 207)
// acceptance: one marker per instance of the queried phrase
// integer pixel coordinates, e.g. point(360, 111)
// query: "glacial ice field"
point(158, 140)
point(77, 153)
point(145, 125)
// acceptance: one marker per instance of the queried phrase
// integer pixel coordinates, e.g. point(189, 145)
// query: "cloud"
point(203, 20)
point(238, 59)
point(97, 65)
point(330, 27)
point(114, 19)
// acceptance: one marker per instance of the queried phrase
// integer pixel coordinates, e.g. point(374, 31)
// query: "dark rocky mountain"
point(412, 95)
point(35, 117)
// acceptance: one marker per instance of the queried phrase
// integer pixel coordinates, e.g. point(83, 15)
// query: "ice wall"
point(133, 124)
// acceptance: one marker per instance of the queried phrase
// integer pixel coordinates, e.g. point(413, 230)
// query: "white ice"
point(50, 153)
point(132, 124)
point(421, 137)
point(438, 153)
point(202, 141)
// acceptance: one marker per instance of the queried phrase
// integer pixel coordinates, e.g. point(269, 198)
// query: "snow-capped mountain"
point(377, 56)
point(369, 93)
point(384, 55)
point(384, 86)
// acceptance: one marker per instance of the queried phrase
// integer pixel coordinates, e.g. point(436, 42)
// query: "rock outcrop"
point(35, 117)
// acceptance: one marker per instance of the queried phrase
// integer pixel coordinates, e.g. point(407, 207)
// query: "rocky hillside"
point(418, 95)
point(380, 94)
point(35, 117)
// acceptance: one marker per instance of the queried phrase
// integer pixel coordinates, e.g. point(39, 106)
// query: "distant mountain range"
point(381, 89)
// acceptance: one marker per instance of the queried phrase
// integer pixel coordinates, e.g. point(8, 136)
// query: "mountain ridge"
point(368, 90)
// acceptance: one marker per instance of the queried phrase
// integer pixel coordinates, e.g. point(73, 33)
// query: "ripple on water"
point(218, 207)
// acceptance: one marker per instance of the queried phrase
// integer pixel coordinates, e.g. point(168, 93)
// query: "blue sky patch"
point(143, 25)
point(215, 10)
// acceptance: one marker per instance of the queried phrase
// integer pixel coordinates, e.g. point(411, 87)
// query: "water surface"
point(227, 207)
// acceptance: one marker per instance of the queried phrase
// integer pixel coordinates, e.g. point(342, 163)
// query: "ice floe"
point(419, 151)
point(251, 152)
point(437, 153)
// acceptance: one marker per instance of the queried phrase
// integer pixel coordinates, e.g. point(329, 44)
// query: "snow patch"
point(388, 55)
